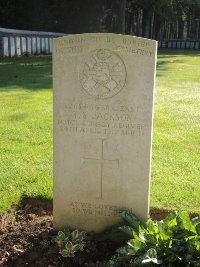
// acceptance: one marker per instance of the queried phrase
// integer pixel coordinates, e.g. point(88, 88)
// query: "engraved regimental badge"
point(102, 74)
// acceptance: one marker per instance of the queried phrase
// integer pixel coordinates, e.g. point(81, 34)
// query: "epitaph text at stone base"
point(103, 109)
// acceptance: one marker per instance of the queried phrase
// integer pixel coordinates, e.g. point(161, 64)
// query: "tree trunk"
point(115, 20)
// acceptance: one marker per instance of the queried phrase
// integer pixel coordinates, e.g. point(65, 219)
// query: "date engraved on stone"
point(102, 74)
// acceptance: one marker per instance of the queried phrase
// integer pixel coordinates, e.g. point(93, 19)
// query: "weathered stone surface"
point(103, 106)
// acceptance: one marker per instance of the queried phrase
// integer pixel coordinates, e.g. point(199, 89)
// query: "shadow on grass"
point(38, 202)
point(35, 73)
point(28, 73)
point(163, 53)
point(166, 57)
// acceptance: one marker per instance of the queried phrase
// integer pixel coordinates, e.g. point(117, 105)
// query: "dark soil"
point(25, 226)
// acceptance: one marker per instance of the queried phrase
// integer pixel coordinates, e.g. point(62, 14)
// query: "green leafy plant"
point(70, 242)
point(173, 240)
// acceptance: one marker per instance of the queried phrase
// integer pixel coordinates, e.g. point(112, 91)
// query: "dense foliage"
point(161, 19)
point(174, 241)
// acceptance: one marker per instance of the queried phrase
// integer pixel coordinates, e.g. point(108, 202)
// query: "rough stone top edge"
point(104, 34)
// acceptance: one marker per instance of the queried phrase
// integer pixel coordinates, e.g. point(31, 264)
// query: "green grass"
point(176, 142)
point(26, 131)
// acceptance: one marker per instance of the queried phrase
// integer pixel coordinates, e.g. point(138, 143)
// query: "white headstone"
point(103, 108)
point(23, 45)
point(34, 45)
point(47, 45)
point(29, 49)
point(12, 47)
point(5, 47)
point(18, 46)
point(43, 45)
point(38, 45)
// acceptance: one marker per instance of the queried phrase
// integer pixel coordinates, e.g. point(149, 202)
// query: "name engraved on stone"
point(101, 161)
point(102, 74)
point(103, 110)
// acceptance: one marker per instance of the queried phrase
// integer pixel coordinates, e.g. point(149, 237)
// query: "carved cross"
point(101, 161)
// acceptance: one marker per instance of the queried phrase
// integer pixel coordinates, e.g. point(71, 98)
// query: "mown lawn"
point(26, 130)
point(176, 142)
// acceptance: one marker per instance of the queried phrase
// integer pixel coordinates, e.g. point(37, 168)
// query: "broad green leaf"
point(75, 248)
point(69, 245)
point(170, 220)
point(137, 237)
point(130, 217)
point(142, 236)
point(152, 227)
point(136, 244)
point(164, 232)
point(65, 253)
point(127, 230)
point(61, 235)
point(197, 244)
point(141, 229)
point(151, 256)
point(75, 235)
point(185, 222)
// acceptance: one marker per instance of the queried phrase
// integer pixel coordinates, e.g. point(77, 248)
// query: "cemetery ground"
point(26, 153)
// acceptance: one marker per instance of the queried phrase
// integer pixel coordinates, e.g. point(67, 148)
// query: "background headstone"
point(103, 106)
point(5, 47)
point(23, 45)
point(46, 45)
point(43, 44)
point(29, 46)
point(38, 45)
point(18, 46)
point(12, 46)
point(34, 45)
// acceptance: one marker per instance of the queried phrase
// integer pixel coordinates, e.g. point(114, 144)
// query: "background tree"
point(163, 19)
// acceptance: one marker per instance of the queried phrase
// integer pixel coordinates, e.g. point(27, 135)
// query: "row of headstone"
point(17, 46)
point(11, 46)
point(181, 44)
